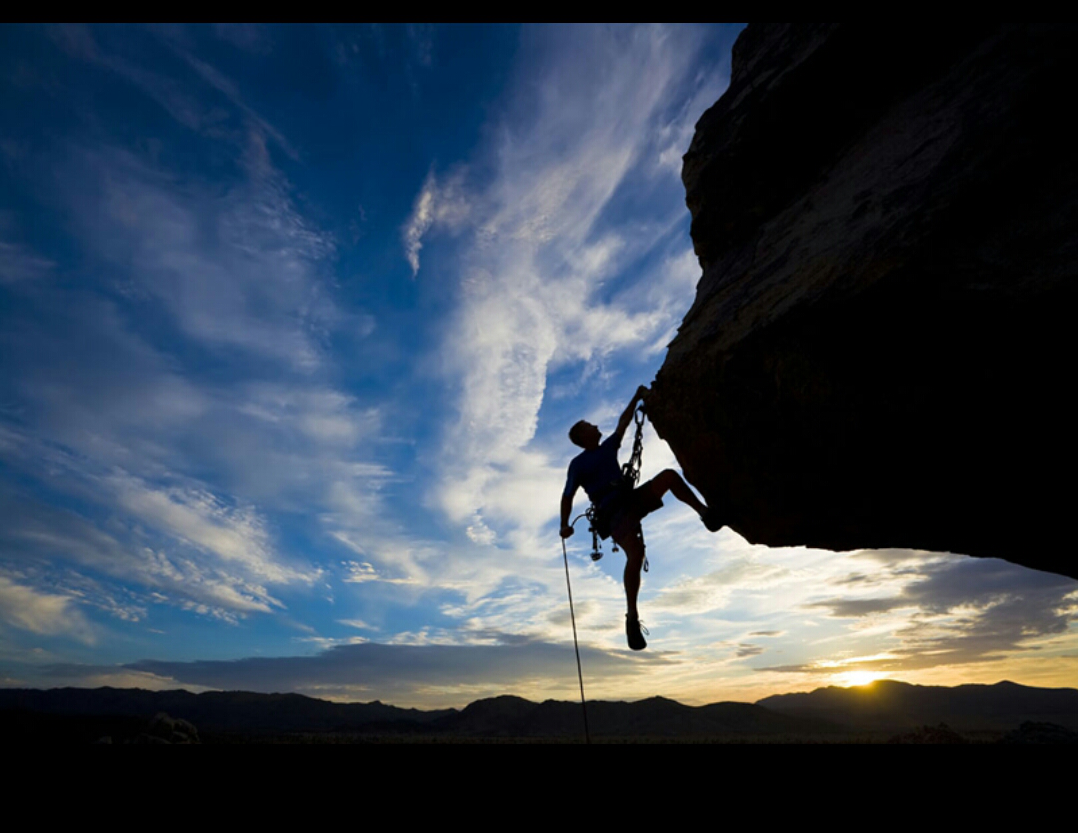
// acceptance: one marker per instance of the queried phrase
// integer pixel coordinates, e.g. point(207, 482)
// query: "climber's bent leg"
point(671, 481)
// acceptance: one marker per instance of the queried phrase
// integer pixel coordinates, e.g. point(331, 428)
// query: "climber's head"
point(585, 435)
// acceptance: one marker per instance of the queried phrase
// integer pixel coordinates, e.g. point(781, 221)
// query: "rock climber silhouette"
point(619, 507)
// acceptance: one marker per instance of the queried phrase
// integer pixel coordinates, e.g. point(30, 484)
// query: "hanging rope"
point(576, 646)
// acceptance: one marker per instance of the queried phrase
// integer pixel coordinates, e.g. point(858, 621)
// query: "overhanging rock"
point(880, 350)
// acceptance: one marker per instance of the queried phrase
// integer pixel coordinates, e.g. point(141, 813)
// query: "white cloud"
point(694, 595)
point(173, 571)
point(235, 535)
point(479, 532)
point(239, 269)
point(325, 418)
point(358, 624)
point(441, 204)
point(359, 572)
point(40, 612)
point(679, 131)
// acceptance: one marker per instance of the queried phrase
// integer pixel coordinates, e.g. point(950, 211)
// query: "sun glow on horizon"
point(852, 679)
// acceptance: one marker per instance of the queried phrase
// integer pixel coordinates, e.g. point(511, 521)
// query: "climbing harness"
point(630, 476)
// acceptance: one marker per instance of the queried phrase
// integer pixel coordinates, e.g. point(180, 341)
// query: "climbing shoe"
point(633, 630)
point(712, 520)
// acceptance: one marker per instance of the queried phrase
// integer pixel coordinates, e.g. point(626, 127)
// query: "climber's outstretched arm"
point(627, 417)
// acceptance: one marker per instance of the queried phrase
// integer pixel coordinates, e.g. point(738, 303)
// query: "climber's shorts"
point(621, 515)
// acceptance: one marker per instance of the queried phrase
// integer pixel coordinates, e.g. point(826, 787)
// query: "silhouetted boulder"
point(930, 734)
point(1035, 732)
point(879, 350)
point(171, 730)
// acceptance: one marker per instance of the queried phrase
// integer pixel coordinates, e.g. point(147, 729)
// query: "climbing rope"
point(576, 645)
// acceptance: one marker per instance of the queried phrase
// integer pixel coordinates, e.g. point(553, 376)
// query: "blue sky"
point(293, 323)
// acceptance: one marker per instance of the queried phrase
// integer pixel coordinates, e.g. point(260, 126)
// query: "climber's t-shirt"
point(597, 470)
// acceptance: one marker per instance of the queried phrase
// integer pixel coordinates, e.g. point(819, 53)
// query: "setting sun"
point(856, 678)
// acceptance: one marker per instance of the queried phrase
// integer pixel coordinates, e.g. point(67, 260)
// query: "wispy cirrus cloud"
point(234, 535)
point(174, 472)
point(441, 203)
point(182, 100)
point(238, 269)
point(183, 560)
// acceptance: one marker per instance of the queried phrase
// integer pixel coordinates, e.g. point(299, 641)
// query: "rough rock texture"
point(879, 353)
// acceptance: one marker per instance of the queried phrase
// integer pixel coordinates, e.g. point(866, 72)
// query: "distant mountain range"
point(879, 709)
point(888, 705)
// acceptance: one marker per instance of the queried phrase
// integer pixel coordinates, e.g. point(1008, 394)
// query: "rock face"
point(880, 351)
